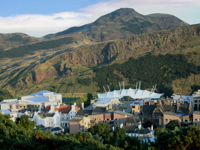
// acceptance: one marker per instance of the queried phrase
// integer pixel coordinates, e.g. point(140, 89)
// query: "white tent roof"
point(133, 93)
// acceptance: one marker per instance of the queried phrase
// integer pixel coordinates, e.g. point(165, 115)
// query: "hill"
point(122, 23)
point(68, 71)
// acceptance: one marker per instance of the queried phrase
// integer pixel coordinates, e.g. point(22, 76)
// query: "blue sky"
point(40, 17)
point(17, 7)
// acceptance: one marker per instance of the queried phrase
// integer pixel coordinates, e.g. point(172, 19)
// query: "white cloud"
point(40, 25)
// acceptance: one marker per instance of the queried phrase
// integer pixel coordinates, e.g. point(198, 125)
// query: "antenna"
point(154, 87)
point(136, 85)
point(119, 86)
point(123, 84)
point(104, 89)
point(108, 88)
point(139, 84)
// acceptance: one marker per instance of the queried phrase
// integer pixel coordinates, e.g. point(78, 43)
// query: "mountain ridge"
point(107, 27)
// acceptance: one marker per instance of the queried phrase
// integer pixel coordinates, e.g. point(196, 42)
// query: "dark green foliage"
point(195, 88)
point(85, 99)
point(5, 94)
point(19, 38)
point(29, 49)
point(85, 81)
point(172, 124)
point(186, 138)
point(25, 122)
point(159, 130)
point(166, 89)
point(102, 129)
point(119, 133)
point(150, 69)
point(105, 76)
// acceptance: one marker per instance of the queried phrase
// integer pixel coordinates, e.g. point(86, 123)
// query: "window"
point(186, 120)
point(195, 119)
point(166, 120)
point(195, 101)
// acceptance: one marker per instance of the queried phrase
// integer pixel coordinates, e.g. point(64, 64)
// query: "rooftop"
point(123, 113)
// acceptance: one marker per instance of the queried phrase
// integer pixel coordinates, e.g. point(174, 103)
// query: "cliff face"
point(136, 46)
point(174, 41)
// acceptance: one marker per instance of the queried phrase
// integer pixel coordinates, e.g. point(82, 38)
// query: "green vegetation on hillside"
point(18, 38)
point(5, 94)
point(29, 49)
point(150, 69)
point(85, 81)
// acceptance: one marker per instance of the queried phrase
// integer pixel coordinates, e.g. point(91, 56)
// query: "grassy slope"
point(176, 41)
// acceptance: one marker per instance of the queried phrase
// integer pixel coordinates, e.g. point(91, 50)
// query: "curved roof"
point(42, 92)
point(133, 93)
point(39, 99)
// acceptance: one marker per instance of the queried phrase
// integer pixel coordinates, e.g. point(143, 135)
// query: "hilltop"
point(122, 23)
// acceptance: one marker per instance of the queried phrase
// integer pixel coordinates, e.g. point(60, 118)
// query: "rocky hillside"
point(122, 23)
point(62, 72)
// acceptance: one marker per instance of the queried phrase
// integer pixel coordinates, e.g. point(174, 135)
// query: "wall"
point(74, 127)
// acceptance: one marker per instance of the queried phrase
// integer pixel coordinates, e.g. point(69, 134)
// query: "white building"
point(67, 112)
point(47, 119)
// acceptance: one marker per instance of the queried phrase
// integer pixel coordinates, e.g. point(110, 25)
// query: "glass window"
point(166, 120)
point(195, 119)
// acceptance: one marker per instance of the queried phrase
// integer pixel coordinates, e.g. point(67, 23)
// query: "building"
point(114, 118)
point(196, 97)
point(134, 94)
point(161, 111)
point(47, 119)
point(196, 118)
point(67, 112)
point(108, 103)
point(79, 124)
point(33, 102)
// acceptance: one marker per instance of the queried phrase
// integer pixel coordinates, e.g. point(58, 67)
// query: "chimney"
point(73, 107)
point(82, 105)
point(143, 101)
point(51, 109)
point(152, 127)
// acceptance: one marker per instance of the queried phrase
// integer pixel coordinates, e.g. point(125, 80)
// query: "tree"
point(102, 129)
point(119, 133)
point(5, 94)
point(159, 130)
point(195, 87)
point(166, 89)
point(25, 122)
point(172, 124)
